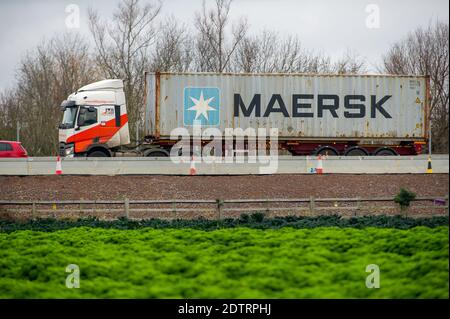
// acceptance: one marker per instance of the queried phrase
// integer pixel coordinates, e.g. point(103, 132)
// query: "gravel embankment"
point(212, 187)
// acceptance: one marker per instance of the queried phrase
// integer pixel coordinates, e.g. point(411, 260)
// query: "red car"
point(12, 149)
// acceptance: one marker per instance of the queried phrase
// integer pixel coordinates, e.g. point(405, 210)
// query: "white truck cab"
point(95, 120)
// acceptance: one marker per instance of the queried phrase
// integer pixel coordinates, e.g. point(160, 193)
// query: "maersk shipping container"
point(301, 106)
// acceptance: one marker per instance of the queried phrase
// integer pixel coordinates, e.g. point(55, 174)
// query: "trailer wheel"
point(158, 154)
point(356, 151)
point(385, 151)
point(327, 150)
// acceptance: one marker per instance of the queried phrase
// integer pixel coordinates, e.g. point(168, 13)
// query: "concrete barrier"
point(164, 166)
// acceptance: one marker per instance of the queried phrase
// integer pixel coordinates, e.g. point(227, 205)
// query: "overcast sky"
point(329, 26)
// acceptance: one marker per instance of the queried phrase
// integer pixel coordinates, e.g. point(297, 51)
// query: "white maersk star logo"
point(201, 105)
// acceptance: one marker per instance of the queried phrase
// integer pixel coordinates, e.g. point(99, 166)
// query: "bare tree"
point(426, 52)
point(74, 67)
point(45, 77)
point(123, 48)
point(9, 115)
point(268, 52)
point(214, 51)
point(173, 49)
point(349, 63)
point(316, 62)
point(247, 56)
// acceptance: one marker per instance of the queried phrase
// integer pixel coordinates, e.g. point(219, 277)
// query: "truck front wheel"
point(97, 154)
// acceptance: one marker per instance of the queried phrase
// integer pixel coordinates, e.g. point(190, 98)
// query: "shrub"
point(404, 198)
point(244, 218)
point(257, 217)
point(298, 222)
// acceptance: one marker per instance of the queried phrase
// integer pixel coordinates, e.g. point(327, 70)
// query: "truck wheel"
point(97, 154)
point(356, 151)
point(327, 151)
point(156, 153)
point(385, 151)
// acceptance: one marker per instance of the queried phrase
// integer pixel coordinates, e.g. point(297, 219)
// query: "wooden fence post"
point(127, 208)
point(174, 208)
point(358, 206)
point(33, 210)
point(312, 204)
point(446, 204)
point(219, 209)
point(433, 208)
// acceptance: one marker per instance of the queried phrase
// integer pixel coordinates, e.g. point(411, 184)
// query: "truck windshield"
point(69, 117)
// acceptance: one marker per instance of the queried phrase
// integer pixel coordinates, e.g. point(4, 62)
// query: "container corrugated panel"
point(178, 99)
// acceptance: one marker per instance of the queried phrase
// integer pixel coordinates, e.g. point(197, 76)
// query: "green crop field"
point(238, 262)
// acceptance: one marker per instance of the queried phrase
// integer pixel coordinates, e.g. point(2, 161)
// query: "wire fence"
point(222, 208)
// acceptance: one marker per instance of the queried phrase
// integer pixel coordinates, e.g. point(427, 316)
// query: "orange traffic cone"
point(319, 168)
point(58, 166)
point(192, 170)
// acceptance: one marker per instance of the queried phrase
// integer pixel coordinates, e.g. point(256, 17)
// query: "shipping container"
point(302, 106)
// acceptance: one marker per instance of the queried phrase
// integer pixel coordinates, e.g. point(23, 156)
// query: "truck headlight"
point(69, 150)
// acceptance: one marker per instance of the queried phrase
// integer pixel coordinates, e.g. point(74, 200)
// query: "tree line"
point(137, 39)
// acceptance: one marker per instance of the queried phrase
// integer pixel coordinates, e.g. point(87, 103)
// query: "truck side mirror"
point(81, 116)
